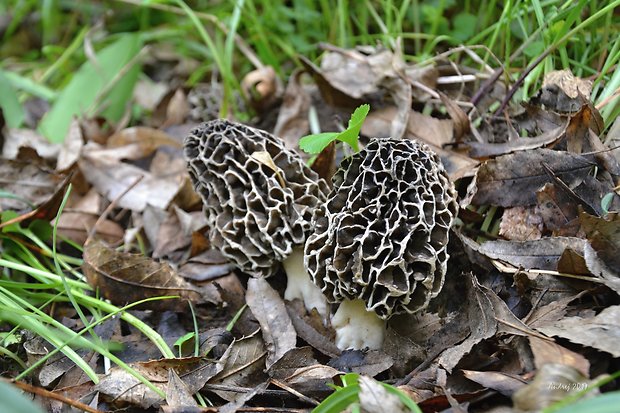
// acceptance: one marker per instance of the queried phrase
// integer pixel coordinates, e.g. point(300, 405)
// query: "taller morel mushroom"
point(379, 246)
point(259, 198)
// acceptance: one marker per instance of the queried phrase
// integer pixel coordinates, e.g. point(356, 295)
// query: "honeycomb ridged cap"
point(256, 215)
point(383, 232)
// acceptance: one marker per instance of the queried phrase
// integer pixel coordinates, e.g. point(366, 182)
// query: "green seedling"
point(347, 396)
point(314, 144)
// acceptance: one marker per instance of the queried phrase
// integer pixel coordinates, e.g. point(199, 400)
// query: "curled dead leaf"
point(262, 87)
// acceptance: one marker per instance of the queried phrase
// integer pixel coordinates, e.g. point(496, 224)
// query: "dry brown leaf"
point(27, 138)
point(177, 109)
point(311, 329)
point(28, 182)
point(542, 254)
point(126, 278)
point(148, 94)
point(177, 392)
point(504, 383)
point(348, 78)
point(112, 179)
point(556, 209)
point(602, 251)
point(122, 387)
point(512, 180)
point(546, 352)
point(299, 369)
point(244, 366)
point(572, 262)
point(521, 224)
point(552, 383)
point(71, 147)
point(578, 136)
point(433, 131)
point(325, 162)
point(405, 352)
point(563, 92)
point(459, 118)
point(76, 225)
point(174, 234)
point(374, 398)
point(482, 324)
point(368, 363)
point(311, 375)
point(265, 158)
point(270, 311)
point(208, 265)
point(146, 140)
point(601, 332)
point(340, 88)
point(291, 361)
point(571, 85)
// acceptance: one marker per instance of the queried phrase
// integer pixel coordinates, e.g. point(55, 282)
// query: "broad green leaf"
point(11, 108)
point(605, 403)
point(316, 143)
point(351, 135)
point(339, 400)
point(345, 396)
point(90, 84)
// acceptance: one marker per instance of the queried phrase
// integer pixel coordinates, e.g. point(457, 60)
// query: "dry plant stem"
point(357, 328)
point(51, 395)
point(299, 285)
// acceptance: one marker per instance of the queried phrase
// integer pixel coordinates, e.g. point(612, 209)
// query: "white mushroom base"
point(356, 328)
point(299, 285)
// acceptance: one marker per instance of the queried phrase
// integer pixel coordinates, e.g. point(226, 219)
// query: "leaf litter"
point(529, 312)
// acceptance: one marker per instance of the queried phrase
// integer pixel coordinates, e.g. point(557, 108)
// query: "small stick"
point(40, 391)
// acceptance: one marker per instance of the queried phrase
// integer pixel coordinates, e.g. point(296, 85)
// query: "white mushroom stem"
point(299, 284)
point(356, 328)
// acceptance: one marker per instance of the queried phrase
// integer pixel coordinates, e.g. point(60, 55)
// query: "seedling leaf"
point(606, 201)
point(316, 143)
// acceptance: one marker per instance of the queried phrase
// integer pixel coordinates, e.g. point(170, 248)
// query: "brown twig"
point(294, 392)
point(40, 391)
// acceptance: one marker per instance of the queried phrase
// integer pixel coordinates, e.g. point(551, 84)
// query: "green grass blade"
point(605, 403)
point(87, 84)
point(12, 109)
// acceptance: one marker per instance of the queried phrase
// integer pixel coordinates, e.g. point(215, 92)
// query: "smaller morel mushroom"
point(379, 246)
point(259, 198)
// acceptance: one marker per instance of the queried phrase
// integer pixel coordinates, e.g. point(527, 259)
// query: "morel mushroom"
point(259, 198)
point(379, 246)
